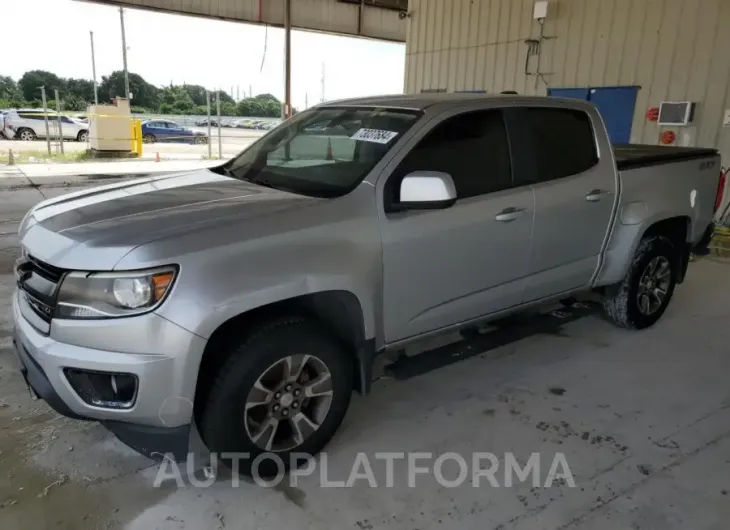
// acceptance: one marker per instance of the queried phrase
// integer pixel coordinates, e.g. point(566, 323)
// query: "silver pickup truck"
point(250, 300)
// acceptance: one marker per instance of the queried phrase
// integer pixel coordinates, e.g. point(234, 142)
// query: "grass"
point(42, 157)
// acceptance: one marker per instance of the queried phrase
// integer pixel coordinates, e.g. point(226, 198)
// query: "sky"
point(166, 49)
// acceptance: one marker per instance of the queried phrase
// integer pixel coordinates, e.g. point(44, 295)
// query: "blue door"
point(616, 106)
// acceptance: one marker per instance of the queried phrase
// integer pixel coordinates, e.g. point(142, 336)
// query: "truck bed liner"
point(631, 156)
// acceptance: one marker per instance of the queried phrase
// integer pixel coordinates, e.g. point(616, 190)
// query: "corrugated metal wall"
point(672, 49)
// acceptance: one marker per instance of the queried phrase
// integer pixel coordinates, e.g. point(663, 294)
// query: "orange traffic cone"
point(157, 156)
point(330, 156)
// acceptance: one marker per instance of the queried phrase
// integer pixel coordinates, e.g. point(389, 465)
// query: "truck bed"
point(631, 156)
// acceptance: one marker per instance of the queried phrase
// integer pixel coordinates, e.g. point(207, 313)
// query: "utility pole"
point(238, 93)
point(124, 54)
point(218, 112)
point(45, 117)
point(58, 117)
point(210, 147)
point(287, 60)
point(306, 100)
point(93, 69)
point(250, 91)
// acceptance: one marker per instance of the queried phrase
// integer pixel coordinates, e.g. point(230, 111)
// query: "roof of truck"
point(422, 101)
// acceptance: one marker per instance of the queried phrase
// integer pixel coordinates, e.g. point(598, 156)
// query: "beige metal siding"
point(672, 49)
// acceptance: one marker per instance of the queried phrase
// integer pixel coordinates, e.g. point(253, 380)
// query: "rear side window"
point(563, 142)
point(471, 147)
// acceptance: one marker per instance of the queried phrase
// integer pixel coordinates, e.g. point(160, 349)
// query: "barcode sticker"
point(374, 135)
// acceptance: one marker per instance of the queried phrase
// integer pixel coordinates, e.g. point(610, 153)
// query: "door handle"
point(509, 214)
point(595, 195)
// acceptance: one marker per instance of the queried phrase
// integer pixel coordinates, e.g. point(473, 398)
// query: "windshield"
point(322, 152)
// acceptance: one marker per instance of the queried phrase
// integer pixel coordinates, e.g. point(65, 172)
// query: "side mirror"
point(427, 190)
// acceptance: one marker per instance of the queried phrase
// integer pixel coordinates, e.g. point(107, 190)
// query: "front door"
point(442, 267)
point(575, 193)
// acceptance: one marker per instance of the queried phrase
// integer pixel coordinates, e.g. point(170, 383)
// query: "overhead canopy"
point(376, 19)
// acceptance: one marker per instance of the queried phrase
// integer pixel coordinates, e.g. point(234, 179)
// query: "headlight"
point(113, 294)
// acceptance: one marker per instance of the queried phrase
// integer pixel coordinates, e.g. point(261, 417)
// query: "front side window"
point(563, 142)
point(323, 152)
point(471, 147)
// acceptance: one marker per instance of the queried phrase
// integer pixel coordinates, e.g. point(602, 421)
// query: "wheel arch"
point(627, 236)
point(337, 311)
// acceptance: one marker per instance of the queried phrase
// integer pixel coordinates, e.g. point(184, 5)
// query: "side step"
point(476, 343)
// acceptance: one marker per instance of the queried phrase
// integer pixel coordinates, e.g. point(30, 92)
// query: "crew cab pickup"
point(247, 302)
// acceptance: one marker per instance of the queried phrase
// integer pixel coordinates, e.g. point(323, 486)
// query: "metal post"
point(124, 54)
point(210, 147)
point(58, 117)
point(287, 59)
point(45, 117)
point(93, 69)
point(218, 112)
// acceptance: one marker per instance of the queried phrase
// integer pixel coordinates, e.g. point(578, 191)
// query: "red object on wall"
point(668, 137)
point(652, 114)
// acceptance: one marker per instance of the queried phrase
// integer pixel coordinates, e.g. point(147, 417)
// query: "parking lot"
point(643, 419)
point(232, 141)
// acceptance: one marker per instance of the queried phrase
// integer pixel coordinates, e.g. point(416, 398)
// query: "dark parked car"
point(169, 131)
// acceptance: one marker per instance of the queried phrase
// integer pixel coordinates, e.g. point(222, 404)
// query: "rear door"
point(443, 267)
point(575, 183)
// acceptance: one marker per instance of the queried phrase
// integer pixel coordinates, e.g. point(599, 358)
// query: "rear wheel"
point(27, 135)
point(285, 389)
point(644, 294)
point(149, 138)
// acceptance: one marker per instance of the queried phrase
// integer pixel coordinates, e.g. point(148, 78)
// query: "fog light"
point(103, 389)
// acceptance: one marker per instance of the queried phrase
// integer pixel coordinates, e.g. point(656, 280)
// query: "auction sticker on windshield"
point(374, 135)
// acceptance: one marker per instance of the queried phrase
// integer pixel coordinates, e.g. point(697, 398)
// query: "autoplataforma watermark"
point(450, 470)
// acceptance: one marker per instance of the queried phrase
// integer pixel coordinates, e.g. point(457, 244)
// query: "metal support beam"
point(287, 59)
point(124, 54)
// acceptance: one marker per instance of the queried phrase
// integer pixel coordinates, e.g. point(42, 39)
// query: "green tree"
point(261, 106)
point(82, 89)
point(9, 89)
point(143, 93)
point(31, 82)
point(197, 94)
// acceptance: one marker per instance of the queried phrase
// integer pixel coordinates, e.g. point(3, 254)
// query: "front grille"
point(39, 282)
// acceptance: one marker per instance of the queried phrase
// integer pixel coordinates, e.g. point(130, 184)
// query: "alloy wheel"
point(288, 402)
point(654, 285)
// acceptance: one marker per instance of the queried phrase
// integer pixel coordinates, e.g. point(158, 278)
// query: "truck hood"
point(93, 229)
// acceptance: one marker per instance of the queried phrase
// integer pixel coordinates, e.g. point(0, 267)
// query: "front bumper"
point(160, 418)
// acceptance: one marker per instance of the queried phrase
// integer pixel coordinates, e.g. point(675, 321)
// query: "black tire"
point(201, 140)
point(27, 135)
point(620, 302)
point(83, 136)
point(222, 421)
point(149, 138)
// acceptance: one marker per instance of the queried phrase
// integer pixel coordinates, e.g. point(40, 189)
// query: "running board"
point(476, 343)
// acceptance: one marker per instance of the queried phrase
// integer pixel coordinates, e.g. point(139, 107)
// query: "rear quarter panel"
point(654, 193)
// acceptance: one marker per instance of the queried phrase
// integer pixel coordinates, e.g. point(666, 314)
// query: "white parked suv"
point(29, 124)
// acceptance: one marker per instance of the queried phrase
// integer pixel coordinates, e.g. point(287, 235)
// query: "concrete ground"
point(643, 419)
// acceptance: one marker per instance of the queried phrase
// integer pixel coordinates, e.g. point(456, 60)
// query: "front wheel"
point(644, 294)
point(283, 390)
point(201, 140)
point(83, 136)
